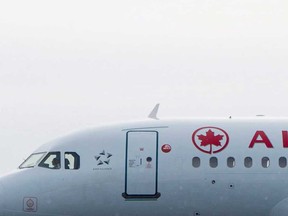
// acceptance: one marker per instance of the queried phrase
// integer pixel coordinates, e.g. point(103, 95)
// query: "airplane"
point(184, 167)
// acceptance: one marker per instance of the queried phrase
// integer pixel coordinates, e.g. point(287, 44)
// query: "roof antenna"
point(153, 114)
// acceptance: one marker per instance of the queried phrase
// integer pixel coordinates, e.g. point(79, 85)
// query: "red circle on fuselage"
point(166, 148)
point(215, 149)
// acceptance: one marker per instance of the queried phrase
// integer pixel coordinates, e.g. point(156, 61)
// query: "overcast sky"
point(67, 65)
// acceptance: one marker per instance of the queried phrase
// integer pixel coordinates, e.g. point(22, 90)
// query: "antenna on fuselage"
point(153, 114)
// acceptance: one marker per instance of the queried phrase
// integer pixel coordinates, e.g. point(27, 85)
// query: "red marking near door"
point(166, 148)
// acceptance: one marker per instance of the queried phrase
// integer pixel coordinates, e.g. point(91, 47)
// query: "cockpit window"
point(51, 161)
point(72, 160)
point(32, 160)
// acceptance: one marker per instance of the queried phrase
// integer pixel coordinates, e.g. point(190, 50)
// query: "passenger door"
point(141, 165)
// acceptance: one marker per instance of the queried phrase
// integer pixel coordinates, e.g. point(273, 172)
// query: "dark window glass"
point(231, 162)
point(282, 162)
point(52, 161)
point(213, 162)
point(265, 162)
point(72, 160)
point(248, 162)
point(196, 162)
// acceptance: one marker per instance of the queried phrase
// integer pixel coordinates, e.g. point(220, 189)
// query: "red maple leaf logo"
point(210, 139)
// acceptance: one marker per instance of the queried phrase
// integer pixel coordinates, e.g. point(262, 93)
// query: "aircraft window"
point(72, 160)
point(52, 161)
point(248, 162)
point(32, 160)
point(196, 162)
point(213, 162)
point(282, 162)
point(265, 162)
point(231, 162)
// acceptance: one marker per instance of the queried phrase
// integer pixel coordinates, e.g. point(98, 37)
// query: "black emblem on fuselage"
point(103, 158)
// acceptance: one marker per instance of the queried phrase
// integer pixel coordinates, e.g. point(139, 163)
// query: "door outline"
point(156, 195)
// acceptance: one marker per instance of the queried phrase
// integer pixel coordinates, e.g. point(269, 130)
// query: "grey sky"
point(67, 65)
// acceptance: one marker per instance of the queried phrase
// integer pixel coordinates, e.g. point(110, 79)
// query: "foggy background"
point(67, 65)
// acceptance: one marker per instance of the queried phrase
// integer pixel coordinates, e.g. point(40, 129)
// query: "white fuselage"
point(174, 167)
